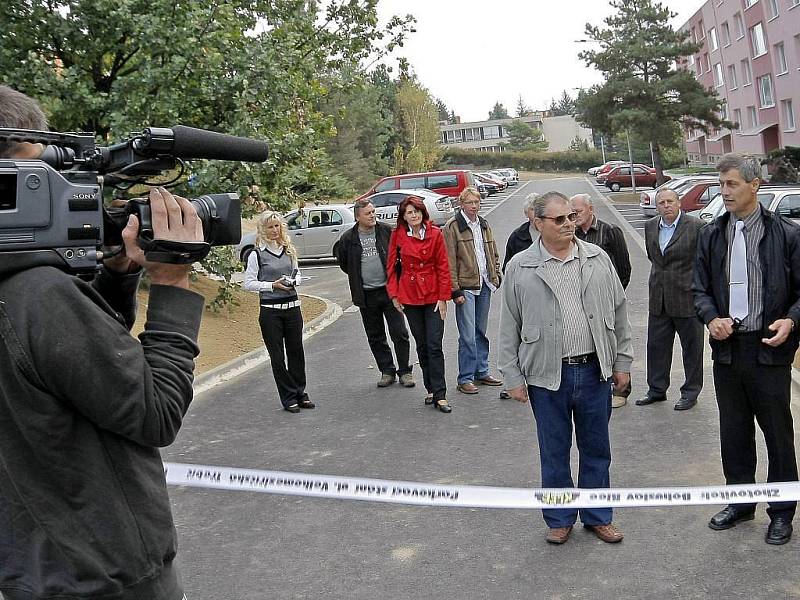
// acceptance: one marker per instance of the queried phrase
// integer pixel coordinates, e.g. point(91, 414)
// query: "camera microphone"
point(189, 142)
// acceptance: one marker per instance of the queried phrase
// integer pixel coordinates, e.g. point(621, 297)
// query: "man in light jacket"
point(474, 275)
point(564, 336)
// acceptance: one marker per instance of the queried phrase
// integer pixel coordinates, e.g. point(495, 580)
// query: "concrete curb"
point(259, 356)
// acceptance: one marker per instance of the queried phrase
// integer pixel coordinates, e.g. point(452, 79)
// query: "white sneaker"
point(618, 401)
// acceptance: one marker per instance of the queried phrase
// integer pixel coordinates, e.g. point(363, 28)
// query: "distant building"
point(492, 136)
point(750, 56)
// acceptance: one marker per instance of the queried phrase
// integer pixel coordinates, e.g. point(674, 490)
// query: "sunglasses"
point(561, 219)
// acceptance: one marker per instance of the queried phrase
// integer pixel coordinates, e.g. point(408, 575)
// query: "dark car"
point(620, 177)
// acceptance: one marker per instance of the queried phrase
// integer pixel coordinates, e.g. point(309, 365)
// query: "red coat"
point(425, 276)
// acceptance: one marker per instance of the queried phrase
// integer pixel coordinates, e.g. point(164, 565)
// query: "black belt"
point(581, 359)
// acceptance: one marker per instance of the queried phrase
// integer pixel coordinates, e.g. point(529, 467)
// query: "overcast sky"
point(472, 54)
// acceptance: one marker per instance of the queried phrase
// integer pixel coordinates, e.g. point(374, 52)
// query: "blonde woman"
point(272, 272)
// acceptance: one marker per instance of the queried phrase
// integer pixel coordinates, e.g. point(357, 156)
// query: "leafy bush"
point(570, 160)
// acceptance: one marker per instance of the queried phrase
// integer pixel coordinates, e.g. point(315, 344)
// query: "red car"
point(620, 177)
point(695, 197)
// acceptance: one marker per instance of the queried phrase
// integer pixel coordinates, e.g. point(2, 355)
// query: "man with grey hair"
point(564, 336)
point(747, 292)
point(361, 253)
point(600, 233)
point(523, 235)
point(671, 243)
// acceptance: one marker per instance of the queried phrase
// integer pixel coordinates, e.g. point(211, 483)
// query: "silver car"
point(784, 200)
point(386, 203)
point(314, 231)
point(647, 199)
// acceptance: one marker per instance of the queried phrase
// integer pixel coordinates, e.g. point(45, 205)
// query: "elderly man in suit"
point(671, 242)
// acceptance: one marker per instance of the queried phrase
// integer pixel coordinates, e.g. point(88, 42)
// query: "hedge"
point(569, 160)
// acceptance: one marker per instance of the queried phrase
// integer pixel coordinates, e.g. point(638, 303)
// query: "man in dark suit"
point(671, 242)
point(747, 292)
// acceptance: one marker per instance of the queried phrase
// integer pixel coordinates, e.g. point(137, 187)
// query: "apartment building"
point(750, 55)
point(493, 136)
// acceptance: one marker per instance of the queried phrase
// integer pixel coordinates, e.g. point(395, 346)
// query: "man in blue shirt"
point(671, 242)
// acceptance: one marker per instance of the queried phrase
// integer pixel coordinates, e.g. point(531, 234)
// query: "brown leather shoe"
point(467, 388)
point(489, 380)
point(608, 533)
point(558, 535)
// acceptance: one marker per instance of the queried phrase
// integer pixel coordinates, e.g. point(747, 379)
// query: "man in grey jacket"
point(564, 336)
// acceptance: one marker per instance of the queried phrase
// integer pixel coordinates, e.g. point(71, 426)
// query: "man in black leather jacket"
point(753, 335)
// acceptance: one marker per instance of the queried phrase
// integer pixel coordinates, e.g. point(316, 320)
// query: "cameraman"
point(84, 407)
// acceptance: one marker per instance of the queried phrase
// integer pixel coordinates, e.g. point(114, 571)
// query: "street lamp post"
point(630, 160)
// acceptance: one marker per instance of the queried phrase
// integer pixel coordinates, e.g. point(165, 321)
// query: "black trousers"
point(747, 390)
point(378, 308)
point(661, 331)
point(427, 327)
point(282, 331)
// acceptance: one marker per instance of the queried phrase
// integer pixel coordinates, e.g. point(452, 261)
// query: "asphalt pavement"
point(243, 545)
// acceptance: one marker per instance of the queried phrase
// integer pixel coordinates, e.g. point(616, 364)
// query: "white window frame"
point(725, 31)
point(780, 59)
point(772, 10)
point(747, 73)
point(752, 116)
point(737, 117)
point(749, 3)
point(738, 24)
point(766, 93)
point(719, 78)
point(788, 114)
point(758, 40)
point(712, 39)
point(732, 80)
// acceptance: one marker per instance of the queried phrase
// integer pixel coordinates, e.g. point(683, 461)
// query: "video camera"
point(52, 210)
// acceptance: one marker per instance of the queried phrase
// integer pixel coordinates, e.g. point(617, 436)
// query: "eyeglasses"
point(561, 219)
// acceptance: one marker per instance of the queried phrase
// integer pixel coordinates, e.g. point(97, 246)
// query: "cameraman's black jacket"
point(84, 406)
point(779, 251)
point(348, 253)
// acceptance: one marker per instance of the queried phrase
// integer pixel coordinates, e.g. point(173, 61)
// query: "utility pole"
point(630, 159)
point(603, 148)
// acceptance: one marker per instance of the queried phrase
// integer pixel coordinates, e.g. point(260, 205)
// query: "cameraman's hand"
point(174, 218)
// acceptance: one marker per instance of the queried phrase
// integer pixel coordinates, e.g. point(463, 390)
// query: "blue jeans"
point(472, 318)
point(585, 398)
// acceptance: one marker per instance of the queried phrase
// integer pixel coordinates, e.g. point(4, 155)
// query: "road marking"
point(511, 195)
point(623, 222)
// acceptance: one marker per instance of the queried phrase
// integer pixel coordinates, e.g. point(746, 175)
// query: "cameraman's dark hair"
point(18, 111)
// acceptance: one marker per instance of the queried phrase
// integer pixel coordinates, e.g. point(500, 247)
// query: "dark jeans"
point(282, 331)
point(378, 308)
point(661, 330)
point(746, 391)
point(427, 328)
point(585, 398)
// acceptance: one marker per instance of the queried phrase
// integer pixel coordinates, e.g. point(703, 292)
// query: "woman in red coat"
point(418, 282)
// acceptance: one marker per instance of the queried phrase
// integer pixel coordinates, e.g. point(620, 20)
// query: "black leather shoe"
point(685, 404)
point(779, 531)
point(292, 409)
point(443, 406)
point(729, 516)
point(650, 400)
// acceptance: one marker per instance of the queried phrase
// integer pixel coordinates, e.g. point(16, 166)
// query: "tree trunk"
point(657, 164)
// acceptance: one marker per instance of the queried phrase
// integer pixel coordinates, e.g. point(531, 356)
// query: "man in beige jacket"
point(474, 274)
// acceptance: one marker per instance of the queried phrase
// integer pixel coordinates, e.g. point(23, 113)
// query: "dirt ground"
point(228, 334)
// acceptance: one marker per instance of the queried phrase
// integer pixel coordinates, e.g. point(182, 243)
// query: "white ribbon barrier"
point(468, 496)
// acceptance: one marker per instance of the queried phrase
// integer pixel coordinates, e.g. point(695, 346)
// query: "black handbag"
point(398, 265)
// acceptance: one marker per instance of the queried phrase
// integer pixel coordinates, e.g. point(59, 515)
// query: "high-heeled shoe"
point(443, 406)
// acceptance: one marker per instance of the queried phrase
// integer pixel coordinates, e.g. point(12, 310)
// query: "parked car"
point(483, 189)
point(603, 175)
point(509, 175)
point(781, 199)
point(647, 198)
point(314, 231)
point(495, 178)
point(449, 183)
point(492, 185)
point(611, 163)
point(439, 206)
point(620, 177)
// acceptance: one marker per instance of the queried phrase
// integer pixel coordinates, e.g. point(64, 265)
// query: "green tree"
point(523, 110)
point(643, 92)
point(498, 112)
point(444, 112)
point(579, 144)
point(523, 136)
point(566, 105)
point(419, 125)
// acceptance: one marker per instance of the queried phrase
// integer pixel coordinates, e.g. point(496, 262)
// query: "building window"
point(702, 29)
point(780, 59)
point(725, 31)
point(788, 114)
point(738, 25)
point(747, 74)
point(723, 110)
point(712, 38)
point(718, 80)
point(749, 3)
point(752, 116)
point(772, 9)
point(758, 40)
point(765, 94)
point(694, 35)
point(707, 63)
point(793, 3)
point(732, 77)
point(737, 116)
